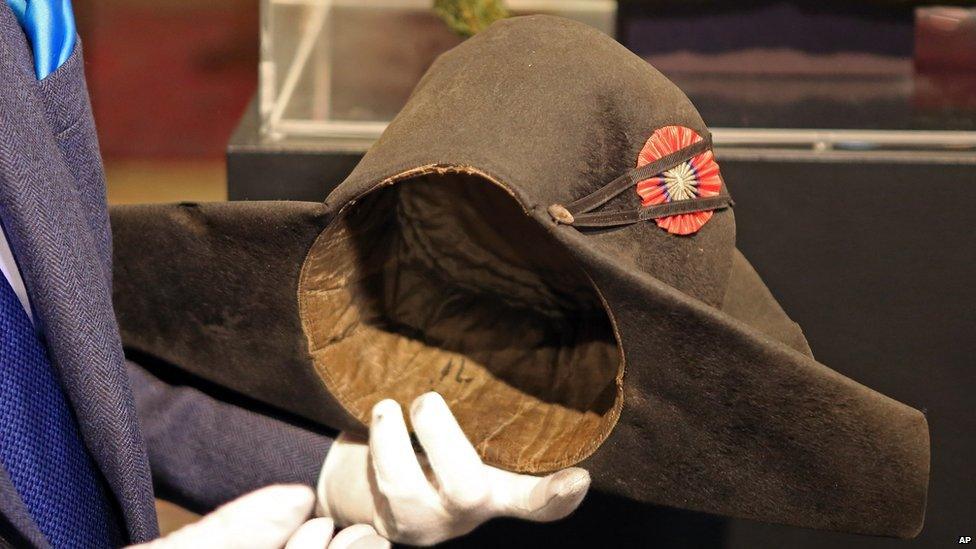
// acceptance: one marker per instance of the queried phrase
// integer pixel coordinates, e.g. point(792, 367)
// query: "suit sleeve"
point(204, 450)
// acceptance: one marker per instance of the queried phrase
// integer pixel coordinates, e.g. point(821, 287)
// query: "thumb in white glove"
point(269, 518)
point(263, 519)
point(382, 482)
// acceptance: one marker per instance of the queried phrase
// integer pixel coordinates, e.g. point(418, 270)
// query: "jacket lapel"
point(62, 262)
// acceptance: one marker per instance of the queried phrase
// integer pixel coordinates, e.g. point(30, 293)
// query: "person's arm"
point(205, 452)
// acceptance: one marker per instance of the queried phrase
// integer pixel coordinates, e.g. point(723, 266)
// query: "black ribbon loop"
point(579, 213)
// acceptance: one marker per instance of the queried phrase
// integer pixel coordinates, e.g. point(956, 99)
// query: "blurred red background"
point(168, 78)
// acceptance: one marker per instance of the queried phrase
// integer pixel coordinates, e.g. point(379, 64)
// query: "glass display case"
point(765, 75)
point(863, 76)
point(344, 68)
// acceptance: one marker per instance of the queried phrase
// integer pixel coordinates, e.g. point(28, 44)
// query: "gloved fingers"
point(539, 499)
point(263, 519)
point(345, 471)
point(359, 536)
point(314, 534)
point(397, 470)
point(453, 460)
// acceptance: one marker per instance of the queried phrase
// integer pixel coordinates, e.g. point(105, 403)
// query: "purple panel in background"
point(780, 65)
point(884, 30)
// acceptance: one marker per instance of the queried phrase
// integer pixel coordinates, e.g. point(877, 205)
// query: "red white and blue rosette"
point(695, 178)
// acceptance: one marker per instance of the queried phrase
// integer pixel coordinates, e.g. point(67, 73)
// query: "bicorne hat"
point(544, 237)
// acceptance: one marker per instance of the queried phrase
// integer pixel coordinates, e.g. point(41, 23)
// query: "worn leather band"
point(579, 213)
point(636, 175)
point(617, 218)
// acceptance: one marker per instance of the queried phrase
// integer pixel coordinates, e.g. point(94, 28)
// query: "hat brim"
point(721, 406)
point(724, 411)
point(732, 415)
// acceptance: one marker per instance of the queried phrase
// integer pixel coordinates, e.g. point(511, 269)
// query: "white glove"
point(269, 518)
point(442, 495)
point(317, 534)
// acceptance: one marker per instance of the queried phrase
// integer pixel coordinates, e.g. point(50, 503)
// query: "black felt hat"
point(543, 236)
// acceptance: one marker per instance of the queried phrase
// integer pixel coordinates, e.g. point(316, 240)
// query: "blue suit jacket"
point(203, 450)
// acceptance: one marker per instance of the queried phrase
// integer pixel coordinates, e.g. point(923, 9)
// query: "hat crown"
point(552, 110)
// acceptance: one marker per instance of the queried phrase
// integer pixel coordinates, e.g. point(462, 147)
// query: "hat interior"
point(440, 281)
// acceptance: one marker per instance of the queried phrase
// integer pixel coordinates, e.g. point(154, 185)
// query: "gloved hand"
point(269, 518)
point(443, 494)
